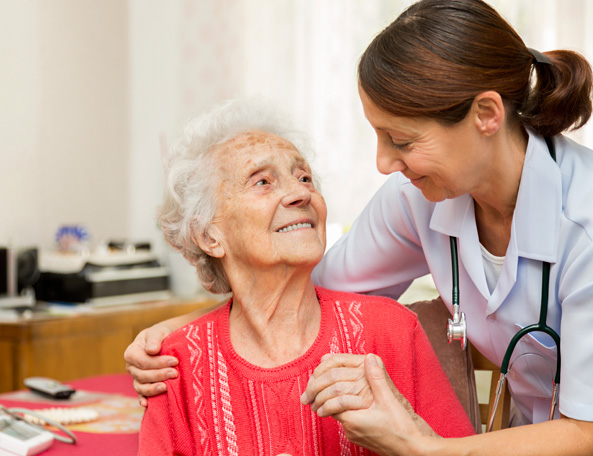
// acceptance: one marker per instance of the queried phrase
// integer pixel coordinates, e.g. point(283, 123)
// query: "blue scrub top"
point(401, 236)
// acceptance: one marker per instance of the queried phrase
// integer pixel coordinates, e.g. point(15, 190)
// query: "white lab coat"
point(401, 236)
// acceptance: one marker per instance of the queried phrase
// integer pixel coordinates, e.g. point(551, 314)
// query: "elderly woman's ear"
point(208, 241)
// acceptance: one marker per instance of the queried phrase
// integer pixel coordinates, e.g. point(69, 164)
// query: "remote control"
point(49, 387)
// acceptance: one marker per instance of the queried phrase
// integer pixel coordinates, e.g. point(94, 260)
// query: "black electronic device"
point(19, 272)
point(49, 387)
point(107, 278)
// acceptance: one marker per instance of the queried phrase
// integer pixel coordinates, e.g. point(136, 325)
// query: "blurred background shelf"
point(81, 344)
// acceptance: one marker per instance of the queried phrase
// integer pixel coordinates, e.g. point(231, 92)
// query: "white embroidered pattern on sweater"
point(349, 337)
point(193, 337)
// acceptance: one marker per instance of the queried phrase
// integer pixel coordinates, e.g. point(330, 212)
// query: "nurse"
point(461, 108)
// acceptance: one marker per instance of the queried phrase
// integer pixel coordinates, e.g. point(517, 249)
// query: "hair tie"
point(538, 57)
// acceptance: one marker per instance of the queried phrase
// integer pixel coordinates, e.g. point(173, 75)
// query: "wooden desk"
point(76, 346)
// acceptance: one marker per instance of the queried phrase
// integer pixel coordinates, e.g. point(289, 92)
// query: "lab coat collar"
point(536, 221)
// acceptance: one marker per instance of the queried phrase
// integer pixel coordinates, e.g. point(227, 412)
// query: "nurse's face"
point(442, 161)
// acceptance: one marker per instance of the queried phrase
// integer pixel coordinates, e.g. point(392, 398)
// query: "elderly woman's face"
point(269, 211)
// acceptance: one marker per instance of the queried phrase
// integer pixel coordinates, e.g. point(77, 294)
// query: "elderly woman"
point(242, 206)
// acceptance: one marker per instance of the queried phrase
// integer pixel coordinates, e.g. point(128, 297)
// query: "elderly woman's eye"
point(306, 179)
point(262, 182)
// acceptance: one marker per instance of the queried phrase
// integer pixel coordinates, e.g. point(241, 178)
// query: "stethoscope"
point(457, 326)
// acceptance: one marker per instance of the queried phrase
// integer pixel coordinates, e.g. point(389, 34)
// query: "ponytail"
point(438, 55)
point(560, 96)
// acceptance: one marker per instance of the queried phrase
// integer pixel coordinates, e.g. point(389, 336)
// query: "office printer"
point(101, 278)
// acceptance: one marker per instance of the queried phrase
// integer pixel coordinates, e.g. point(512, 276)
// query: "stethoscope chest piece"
point(457, 329)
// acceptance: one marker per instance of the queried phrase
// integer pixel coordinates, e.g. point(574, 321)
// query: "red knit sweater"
point(222, 405)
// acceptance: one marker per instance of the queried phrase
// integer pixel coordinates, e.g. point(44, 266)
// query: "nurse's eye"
point(401, 146)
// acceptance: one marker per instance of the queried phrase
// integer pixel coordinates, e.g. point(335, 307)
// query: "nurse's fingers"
point(151, 376)
point(145, 390)
point(142, 352)
point(142, 401)
point(152, 382)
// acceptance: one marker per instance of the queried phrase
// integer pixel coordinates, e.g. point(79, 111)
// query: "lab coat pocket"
point(533, 364)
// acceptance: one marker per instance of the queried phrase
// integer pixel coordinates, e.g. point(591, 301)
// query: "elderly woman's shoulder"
point(369, 305)
point(194, 331)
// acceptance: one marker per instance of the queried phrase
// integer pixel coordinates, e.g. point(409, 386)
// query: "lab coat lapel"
point(456, 217)
point(536, 221)
point(539, 204)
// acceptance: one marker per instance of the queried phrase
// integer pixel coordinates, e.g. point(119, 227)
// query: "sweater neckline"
point(307, 362)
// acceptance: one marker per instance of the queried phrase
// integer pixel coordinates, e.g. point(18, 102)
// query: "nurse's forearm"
point(562, 437)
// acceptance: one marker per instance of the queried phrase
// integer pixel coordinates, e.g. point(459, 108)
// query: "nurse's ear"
point(488, 112)
point(209, 241)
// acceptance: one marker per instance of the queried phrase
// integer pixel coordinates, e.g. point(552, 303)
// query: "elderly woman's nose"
point(296, 193)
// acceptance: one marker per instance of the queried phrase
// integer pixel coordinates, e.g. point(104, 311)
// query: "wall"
point(91, 91)
point(64, 119)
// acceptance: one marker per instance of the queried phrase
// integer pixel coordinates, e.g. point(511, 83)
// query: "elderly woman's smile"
point(295, 227)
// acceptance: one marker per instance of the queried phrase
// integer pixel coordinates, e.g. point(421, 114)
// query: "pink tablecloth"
point(115, 433)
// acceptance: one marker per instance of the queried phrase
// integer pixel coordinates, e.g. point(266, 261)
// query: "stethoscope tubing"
point(540, 326)
point(457, 327)
point(456, 330)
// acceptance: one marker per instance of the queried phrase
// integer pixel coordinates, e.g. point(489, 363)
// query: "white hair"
point(192, 177)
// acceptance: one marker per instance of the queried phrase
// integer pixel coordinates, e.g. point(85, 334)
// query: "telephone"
point(19, 437)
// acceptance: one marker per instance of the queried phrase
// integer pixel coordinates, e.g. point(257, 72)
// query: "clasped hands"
point(356, 391)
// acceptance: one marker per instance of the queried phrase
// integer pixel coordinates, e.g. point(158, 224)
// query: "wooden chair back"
point(461, 366)
point(501, 421)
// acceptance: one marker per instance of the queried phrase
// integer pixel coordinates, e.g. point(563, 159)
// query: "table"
point(115, 433)
point(80, 344)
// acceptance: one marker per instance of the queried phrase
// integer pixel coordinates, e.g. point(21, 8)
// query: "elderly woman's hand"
point(339, 383)
point(148, 370)
point(356, 391)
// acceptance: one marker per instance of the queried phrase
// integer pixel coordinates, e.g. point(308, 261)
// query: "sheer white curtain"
point(554, 24)
point(303, 54)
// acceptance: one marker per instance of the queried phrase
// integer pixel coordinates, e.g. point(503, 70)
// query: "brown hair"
point(439, 54)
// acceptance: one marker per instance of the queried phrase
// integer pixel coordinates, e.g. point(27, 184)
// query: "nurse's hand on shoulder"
point(148, 370)
point(356, 391)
